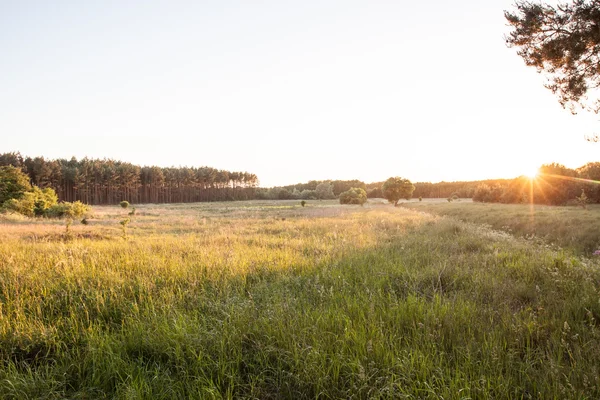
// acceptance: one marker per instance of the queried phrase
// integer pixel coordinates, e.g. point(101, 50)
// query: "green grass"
point(569, 227)
point(272, 300)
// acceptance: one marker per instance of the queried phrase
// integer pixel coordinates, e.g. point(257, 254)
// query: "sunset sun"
point(533, 173)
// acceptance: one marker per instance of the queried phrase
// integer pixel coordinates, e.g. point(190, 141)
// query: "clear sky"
point(288, 90)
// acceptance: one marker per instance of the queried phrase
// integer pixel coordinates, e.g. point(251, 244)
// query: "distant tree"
point(564, 42)
point(307, 194)
point(284, 194)
point(591, 172)
point(342, 186)
point(375, 193)
point(13, 183)
point(397, 188)
point(482, 193)
point(324, 191)
point(556, 184)
point(353, 196)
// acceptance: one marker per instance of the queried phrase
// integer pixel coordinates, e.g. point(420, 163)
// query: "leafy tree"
point(13, 183)
point(397, 188)
point(563, 42)
point(353, 196)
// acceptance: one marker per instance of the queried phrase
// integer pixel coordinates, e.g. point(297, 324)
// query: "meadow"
point(268, 299)
point(568, 227)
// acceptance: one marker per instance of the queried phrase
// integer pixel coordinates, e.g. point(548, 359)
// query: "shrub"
point(35, 202)
point(353, 196)
point(303, 203)
point(65, 209)
point(124, 204)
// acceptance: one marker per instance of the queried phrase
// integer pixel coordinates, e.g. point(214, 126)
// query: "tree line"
point(555, 184)
point(106, 181)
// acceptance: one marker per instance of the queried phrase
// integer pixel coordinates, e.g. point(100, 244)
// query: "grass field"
point(570, 227)
point(273, 300)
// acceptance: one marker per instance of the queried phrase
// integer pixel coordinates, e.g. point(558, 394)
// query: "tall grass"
point(569, 227)
point(272, 300)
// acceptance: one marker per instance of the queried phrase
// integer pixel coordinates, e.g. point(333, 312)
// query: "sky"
point(289, 90)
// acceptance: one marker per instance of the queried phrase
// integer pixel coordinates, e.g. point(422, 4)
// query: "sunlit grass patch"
point(264, 302)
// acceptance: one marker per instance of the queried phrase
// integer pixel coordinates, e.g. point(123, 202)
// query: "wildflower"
point(597, 253)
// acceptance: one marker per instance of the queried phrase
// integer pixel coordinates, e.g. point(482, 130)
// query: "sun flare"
point(533, 174)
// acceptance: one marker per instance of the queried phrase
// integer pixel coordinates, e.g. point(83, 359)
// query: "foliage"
point(308, 194)
point(338, 186)
point(13, 183)
point(324, 191)
point(124, 224)
point(35, 202)
point(70, 210)
point(375, 193)
point(303, 203)
point(397, 188)
point(563, 42)
point(353, 196)
point(124, 204)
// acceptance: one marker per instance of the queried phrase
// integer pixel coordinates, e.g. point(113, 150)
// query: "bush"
point(65, 209)
point(32, 203)
point(124, 204)
point(353, 196)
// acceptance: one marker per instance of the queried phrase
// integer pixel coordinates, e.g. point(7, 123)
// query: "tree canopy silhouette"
point(562, 41)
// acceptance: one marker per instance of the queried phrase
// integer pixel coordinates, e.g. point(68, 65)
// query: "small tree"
point(397, 188)
point(124, 204)
point(582, 200)
point(353, 196)
point(124, 224)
